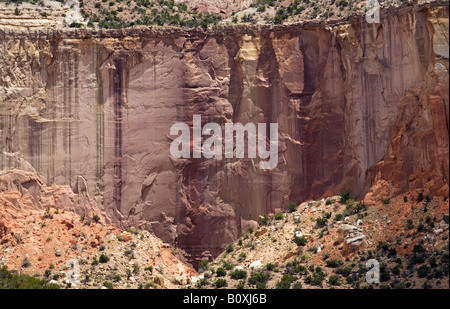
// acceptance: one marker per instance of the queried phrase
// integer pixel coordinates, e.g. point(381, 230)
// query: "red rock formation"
point(357, 105)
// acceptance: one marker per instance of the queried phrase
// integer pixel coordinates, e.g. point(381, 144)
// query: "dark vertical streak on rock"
point(99, 117)
point(118, 104)
point(76, 109)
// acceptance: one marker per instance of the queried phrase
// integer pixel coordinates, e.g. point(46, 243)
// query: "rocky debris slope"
point(359, 106)
point(39, 236)
point(327, 243)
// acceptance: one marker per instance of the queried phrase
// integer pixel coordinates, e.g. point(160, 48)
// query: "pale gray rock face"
point(94, 109)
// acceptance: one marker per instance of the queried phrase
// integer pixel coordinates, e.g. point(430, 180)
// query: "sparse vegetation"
point(10, 280)
point(300, 241)
point(386, 201)
point(238, 274)
point(279, 216)
point(103, 258)
point(220, 283)
point(292, 207)
point(345, 196)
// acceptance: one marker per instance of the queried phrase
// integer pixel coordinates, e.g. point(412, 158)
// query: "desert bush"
point(220, 283)
point(279, 216)
point(333, 263)
point(238, 274)
point(345, 196)
point(423, 271)
point(10, 280)
point(285, 282)
point(333, 280)
point(321, 221)
point(300, 241)
point(221, 272)
point(258, 277)
point(386, 201)
point(103, 258)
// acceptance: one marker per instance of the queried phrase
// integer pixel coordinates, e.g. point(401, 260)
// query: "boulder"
point(256, 265)
point(344, 230)
point(438, 231)
point(354, 242)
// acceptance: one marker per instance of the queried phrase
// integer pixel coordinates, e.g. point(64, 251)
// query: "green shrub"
point(103, 258)
point(396, 270)
point(149, 268)
point(383, 246)
point(423, 271)
point(338, 217)
point(392, 252)
point(345, 196)
point(321, 221)
point(317, 278)
point(108, 285)
point(333, 280)
point(94, 261)
point(416, 259)
point(220, 283)
point(258, 277)
point(344, 270)
point(350, 279)
point(386, 201)
point(418, 249)
point(228, 248)
point(420, 228)
point(432, 261)
point(420, 197)
point(264, 221)
point(384, 273)
point(9, 280)
point(47, 214)
point(220, 272)
point(438, 274)
point(300, 241)
point(203, 264)
point(300, 269)
point(285, 282)
point(279, 216)
point(292, 207)
point(238, 274)
point(270, 266)
point(429, 222)
point(333, 263)
point(75, 25)
point(241, 285)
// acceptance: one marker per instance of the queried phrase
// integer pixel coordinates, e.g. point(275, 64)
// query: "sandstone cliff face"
point(357, 104)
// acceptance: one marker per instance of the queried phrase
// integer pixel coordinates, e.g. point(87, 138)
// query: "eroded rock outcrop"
point(356, 104)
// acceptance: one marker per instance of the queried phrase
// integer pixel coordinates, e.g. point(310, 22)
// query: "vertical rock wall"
point(355, 103)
